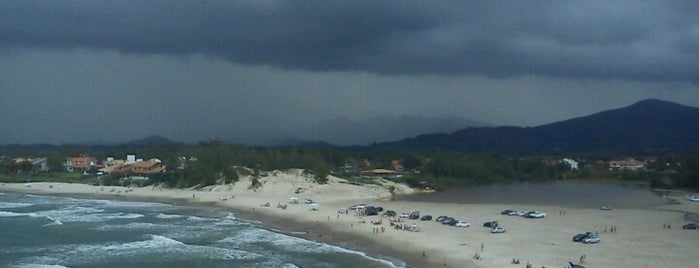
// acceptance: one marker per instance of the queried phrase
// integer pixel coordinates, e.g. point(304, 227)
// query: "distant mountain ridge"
point(152, 139)
point(646, 126)
point(343, 131)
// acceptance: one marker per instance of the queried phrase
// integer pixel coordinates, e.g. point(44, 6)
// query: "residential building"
point(571, 163)
point(151, 166)
point(39, 164)
point(629, 164)
point(79, 163)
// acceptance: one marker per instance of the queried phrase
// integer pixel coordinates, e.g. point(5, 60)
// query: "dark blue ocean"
point(45, 231)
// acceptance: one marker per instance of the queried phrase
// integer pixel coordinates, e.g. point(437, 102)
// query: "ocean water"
point(45, 231)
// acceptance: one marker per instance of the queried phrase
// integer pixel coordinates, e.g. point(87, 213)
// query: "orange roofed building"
point(151, 166)
point(79, 163)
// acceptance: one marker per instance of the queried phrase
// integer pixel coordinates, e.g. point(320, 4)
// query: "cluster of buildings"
point(626, 164)
point(39, 164)
point(629, 164)
point(130, 165)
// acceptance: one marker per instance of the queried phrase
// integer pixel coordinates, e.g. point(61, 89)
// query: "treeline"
point(212, 162)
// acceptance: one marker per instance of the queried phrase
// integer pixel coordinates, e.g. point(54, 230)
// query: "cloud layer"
point(629, 40)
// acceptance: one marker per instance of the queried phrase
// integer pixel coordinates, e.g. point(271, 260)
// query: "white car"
point(462, 224)
point(535, 214)
point(404, 215)
point(497, 230)
point(358, 206)
point(592, 240)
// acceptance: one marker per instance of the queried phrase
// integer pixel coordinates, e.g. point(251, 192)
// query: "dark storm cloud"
point(634, 40)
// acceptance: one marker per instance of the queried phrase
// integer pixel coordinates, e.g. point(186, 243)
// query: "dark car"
point(572, 265)
point(390, 213)
point(441, 218)
point(371, 210)
point(690, 226)
point(449, 220)
point(506, 212)
point(414, 215)
point(426, 218)
point(581, 237)
point(490, 224)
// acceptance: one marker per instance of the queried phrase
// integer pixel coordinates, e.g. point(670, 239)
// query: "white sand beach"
point(640, 239)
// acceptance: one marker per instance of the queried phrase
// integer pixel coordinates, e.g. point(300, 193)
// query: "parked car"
point(404, 214)
point(535, 215)
point(490, 224)
point(441, 218)
point(449, 221)
point(592, 240)
point(414, 215)
point(581, 237)
point(516, 213)
point(371, 210)
point(506, 212)
point(389, 213)
point(358, 206)
point(497, 230)
point(572, 265)
point(690, 226)
point(426, 218)
point(462, 224)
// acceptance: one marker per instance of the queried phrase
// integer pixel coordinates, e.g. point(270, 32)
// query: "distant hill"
point(153, 139)
point(343, 131)
point(646, 126)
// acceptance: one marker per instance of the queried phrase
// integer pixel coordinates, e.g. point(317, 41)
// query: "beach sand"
point(640, 240)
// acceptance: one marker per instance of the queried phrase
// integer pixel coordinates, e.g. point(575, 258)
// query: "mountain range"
point(647, 126)
point(343, 131)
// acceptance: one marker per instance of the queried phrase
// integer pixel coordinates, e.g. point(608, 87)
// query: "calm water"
point(43, 231)
point(567, 194)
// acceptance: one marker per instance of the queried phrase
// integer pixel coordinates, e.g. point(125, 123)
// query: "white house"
point(571, 163)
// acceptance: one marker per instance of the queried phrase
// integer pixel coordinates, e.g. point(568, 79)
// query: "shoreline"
point(539, 242)
point(246, 211)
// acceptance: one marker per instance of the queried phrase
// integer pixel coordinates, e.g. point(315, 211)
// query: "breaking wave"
point(14, 205)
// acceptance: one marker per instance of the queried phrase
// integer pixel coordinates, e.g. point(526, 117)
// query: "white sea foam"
point(17, 214)
point(195, 218)
point(123, 204)
point(34, 265)
point(153, 244)
point(86, 215)
point(14, 205)
point(295, 244)
point(155, 241)
point(167, 216)
point(54, 223)
point(131, 226)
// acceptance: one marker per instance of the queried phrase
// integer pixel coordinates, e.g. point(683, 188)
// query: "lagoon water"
point(557, 193)
point(45, 231)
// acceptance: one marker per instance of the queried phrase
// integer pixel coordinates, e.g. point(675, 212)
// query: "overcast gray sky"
point(91, 70)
